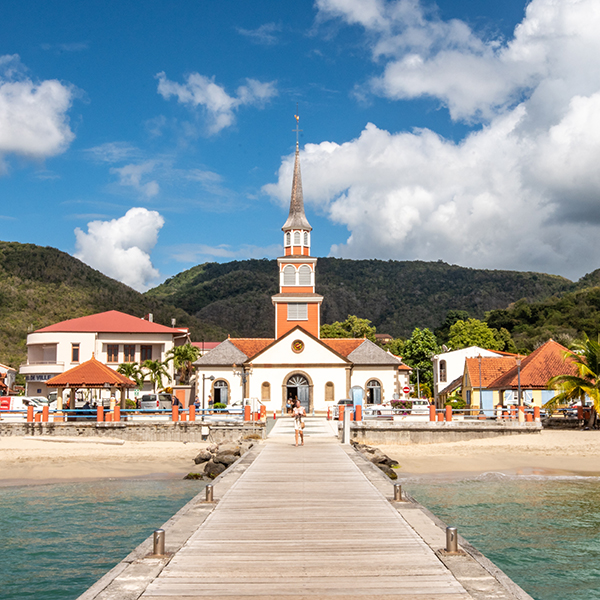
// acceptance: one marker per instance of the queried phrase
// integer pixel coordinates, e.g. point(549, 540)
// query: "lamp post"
point(204, 378)
point(418, 384)
point(520, 402)
point(480, 393)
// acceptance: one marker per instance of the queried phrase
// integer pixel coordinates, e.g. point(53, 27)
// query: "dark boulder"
point(225, 458)
point(388, 471)
point(213, 469)
point(203, 456)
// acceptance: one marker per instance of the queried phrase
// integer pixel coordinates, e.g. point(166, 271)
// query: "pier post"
point(397, 492)
point(440, 417)
point(448, 413)
point(346, 427)
point(451, 539)
point(358, 412)
point(432, 412)
point(159, 542)
point(209, 493)
point(175, 414)
point(100, 414)
point(192, 412)
point(117, 413)
point(30, 414)
point(45, 412)
point(521, 414)
point(247, 413)
point(536, 414)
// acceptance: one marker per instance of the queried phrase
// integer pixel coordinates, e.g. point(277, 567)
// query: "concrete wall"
point(139, 432)
point(435, 433)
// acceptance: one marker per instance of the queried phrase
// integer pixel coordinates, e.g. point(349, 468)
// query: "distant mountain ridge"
point(396, 296)
point(40, 286)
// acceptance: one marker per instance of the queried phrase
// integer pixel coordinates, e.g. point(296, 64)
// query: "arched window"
point(373, 392)
point(221, 392)
point(329, 391)
point(265, 391)
point(296, 238)
point(304, 274)
point(306, 238)
point(443, 370)
point(288, 239)
point(289, 275)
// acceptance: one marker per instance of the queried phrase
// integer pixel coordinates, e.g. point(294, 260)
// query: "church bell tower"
point(297, 303)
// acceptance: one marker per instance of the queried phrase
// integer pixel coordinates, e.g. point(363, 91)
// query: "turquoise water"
point(57, 540)
point(543, 532)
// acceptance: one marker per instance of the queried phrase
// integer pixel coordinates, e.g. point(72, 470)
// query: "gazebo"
point(91, 374)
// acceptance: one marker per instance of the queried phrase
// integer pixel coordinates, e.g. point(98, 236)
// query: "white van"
point(22, 402)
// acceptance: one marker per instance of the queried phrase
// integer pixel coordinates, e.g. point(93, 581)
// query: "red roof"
point(91, 373)
point(537, 368)
point(492, 367)
point(251, 346)
point(111, 321)
point(343, 346)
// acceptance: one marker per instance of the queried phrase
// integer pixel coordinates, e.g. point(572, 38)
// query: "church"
point(296, 363)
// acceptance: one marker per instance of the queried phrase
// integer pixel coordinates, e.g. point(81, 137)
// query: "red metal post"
point(192, 412)
point(30, 414)
point(359, 412)
point(45, 412)
point(175, 414)
point(117, 413)
point(247, 413)
point(100, 414)
point(432, 412)
point(448, 413)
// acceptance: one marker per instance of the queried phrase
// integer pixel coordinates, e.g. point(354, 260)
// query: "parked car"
point(156, 401)
point(419, 407)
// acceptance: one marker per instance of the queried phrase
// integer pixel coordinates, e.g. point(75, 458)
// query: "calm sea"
point(57, 540)
point(544, 532)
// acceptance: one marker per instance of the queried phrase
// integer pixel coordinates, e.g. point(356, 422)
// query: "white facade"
point(448, 366)
point(9, 375)
point(270, 374)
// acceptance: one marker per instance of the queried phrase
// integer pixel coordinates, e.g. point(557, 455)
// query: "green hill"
point(395, 296)
point(40, 286)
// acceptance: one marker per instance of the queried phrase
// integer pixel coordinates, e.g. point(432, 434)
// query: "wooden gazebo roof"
point(90, 374)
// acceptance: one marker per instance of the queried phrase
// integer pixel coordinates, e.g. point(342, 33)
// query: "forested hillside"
point(395, 296)
point(40, 286)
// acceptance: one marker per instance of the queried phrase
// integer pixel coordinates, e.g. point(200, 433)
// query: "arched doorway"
point(373, 392)
point(221, 392)
point(298, 388)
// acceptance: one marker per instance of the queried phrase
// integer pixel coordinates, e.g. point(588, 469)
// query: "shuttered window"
point(304, 275)
point(306, 238)
point(297, 312)
point(296, 238)
point(289, 275)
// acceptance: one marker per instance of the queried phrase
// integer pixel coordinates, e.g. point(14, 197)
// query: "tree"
point(183, 358)
point(157, 370)
point(133, 371)
point(585, 357)
point(352, 327)
point(396, 347)
point(418, 350)
point(474, 332)
point(443, 331)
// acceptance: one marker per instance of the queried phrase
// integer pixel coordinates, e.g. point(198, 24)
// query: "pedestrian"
point(299, 414)
point(197, 403)
point(176, 402)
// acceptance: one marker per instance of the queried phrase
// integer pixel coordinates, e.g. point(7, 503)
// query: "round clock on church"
point(297, 346)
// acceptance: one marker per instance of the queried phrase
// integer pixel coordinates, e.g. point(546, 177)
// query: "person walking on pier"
point(299, 414)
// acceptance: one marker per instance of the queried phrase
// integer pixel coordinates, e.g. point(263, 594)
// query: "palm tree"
point(183, 358)
point(133, 371)
point(156, 371)
point(585, 357)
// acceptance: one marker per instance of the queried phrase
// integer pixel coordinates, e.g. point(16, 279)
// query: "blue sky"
point(147, 138)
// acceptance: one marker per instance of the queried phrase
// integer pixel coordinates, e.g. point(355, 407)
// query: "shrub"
point(219, 405)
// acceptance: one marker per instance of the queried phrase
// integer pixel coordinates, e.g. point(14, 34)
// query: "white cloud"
point(120, 248)
point(113, 152)
point(132, 175)
point(265, 35)
point(521, 193)
point(33, 115)
point(218, 105)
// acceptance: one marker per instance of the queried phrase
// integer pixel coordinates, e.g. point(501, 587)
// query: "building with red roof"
point(112, 337)
point(489, 381)
point(296, 363)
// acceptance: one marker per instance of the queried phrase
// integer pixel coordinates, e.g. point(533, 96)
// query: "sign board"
point(406, 389)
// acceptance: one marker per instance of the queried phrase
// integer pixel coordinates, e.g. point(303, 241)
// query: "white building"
point(7, 379)
point(449, 366)
point(112, 337)
point(296, 363)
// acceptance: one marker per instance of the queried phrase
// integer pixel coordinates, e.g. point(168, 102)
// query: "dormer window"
point(288, 239)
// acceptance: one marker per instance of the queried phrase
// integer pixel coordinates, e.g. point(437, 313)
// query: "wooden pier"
point(315, 521)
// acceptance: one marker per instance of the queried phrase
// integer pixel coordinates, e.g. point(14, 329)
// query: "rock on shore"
point(378, 458)
point(217, 457)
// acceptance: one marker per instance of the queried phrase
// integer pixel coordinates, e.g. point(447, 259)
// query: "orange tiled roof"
point(537, 368)
point(343, 346)
point(251, 346)
point(492, 367)
point(111, 321)
point(91, 373)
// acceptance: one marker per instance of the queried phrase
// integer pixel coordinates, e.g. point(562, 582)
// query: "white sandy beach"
point(28, 460)
point(550, 452)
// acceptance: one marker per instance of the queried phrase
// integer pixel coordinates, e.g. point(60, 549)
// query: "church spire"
point(297, 219)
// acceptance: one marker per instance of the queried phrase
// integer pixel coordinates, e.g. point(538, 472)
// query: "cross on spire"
point(297, 117)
